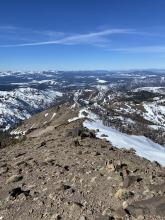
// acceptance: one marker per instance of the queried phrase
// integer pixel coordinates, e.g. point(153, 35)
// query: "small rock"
point(49, 160)
point(129, 180)
point(76, 143)
point(3, 170)
point(125, 204)
point(83, 218)
point(66, 187)
point(104, 217)
point(79, 152)
point(110, 167)
point(120, 213)
point(66, 167)
point(120, 166)
point(140, 217)
point(56, 217)
point(14, 178)
point(104, 135)
point(93, 179)
point(17, 191)
point(43, 143)
point(22, 196)
point(20, 154)
point(108, 211)
point(123, 194)
point(96, 153)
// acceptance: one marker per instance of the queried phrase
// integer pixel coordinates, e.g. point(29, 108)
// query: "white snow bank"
point(143, 146)
point(154, 89)
point(102, 81)
point(80, 115)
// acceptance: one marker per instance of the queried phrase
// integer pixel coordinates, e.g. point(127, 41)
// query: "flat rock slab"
point(154, 206)
point(40, 132)
point(129, 180)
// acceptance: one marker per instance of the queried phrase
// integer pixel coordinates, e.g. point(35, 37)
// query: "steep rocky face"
point(62, 171)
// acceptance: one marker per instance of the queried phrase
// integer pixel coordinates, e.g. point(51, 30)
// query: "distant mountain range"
point(23, 94)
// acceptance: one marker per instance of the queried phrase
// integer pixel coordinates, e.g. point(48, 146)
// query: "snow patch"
point(160, 90)
point(80, 115)
point(143, 146)
point(54, 114)
point(101, 81)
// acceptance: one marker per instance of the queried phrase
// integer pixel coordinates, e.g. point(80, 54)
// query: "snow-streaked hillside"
point(112, 95)
point(21, 103)
point(143, 146)
point(159, 90)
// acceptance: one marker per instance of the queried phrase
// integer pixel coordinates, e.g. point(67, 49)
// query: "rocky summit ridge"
point(61, 170)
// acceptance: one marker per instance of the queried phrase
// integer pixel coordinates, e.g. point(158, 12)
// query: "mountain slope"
point(22, 103)
point(62, 171)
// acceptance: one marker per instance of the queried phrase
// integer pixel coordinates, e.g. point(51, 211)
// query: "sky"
point(82, 34)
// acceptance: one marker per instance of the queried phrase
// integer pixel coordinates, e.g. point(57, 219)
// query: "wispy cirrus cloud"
point(15, 35)
point(142, 49)
point(19, 30)
point(8, 28)
point(11, 36)
point(99, 38)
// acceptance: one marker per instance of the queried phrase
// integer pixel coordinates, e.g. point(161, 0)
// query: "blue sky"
point(82, 34)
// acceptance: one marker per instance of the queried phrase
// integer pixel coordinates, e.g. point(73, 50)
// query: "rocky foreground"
point(62, 171)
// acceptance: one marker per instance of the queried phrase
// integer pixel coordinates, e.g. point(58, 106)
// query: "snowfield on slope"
point(154, 112)
point(21, 103)
point(153, 89)
point(143, 146)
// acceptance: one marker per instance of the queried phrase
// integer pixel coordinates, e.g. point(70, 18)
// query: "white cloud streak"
point(93, 38)
point(143, 49)
point(98, 39)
